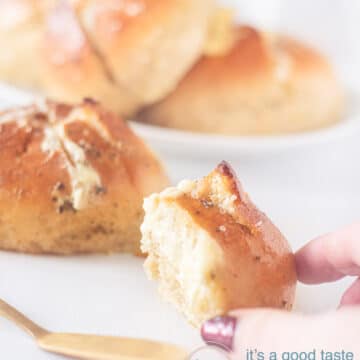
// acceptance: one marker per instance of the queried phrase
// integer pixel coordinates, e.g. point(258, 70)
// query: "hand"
point(327, 258)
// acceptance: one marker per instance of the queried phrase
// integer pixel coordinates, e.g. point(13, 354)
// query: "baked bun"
point(72, 180)
point(263, 84)
point(126, 53)
point(212, 250)
point(21, 31)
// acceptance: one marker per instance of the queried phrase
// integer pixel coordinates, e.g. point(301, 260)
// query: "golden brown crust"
point(125, 53)
point(72, 180)
point(258, 265)
point(265, 84)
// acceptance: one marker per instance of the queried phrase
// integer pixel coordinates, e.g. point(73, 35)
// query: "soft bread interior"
point(182, 257)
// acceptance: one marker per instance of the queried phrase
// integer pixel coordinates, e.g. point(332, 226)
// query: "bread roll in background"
point(72, 180)
point(72, 69)
point(264, 84)
point(21, 33)
point(212, 250)
point(126, 53)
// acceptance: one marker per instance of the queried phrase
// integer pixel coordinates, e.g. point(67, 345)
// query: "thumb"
point(275, 335)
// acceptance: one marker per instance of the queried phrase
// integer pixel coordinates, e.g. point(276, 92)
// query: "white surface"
point(106, 295)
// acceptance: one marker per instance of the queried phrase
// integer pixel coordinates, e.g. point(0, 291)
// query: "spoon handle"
point(21, 320)
point(93, 347)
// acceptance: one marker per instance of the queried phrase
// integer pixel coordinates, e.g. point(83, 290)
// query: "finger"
point(330, 257)
point(277, 331)
point(352, 295)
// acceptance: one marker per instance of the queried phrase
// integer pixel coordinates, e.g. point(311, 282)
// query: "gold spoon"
point(93, 347)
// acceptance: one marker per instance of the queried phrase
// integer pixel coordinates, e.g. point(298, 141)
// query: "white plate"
point(206, 144)
point(111, 295)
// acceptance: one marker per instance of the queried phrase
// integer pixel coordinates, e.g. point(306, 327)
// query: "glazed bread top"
point(56, 155)
point(245, 235)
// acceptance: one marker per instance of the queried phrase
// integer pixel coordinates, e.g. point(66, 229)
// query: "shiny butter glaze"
point(257, 267)
point(64, 150)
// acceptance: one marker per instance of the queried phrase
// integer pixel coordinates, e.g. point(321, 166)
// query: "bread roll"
point(126, 53)
point(21, 32)
point(72, 180)
point(212, 250)
point(264, 84)
point(72, 69)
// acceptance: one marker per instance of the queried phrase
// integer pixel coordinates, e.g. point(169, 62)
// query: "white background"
point(110, 294)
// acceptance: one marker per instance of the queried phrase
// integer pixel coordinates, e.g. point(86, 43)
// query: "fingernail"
point(220, 331)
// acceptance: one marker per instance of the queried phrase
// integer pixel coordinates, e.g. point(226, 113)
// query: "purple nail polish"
point(219, 331)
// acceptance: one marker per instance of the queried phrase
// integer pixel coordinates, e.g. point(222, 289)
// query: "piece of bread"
point(126, 53)
point(72, 180)
point(212, 250)
point(21, 32)
point(264, 84)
